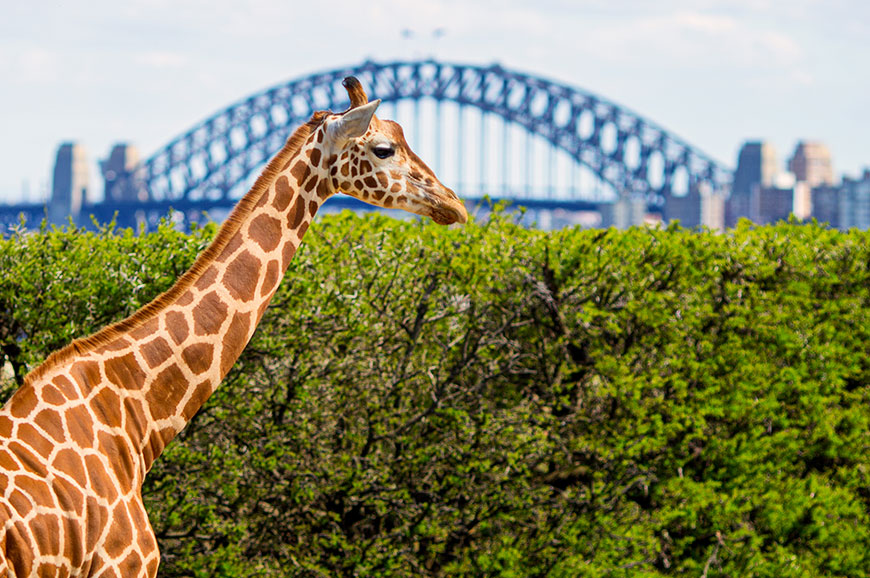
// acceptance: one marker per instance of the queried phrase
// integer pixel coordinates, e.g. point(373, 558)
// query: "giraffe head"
point(372, 162)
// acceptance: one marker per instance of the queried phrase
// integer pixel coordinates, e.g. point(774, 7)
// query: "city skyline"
point(714, 73)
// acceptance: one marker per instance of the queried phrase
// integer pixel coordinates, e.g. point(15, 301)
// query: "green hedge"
point(497, 401)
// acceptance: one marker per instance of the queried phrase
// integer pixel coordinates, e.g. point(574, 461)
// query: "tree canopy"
point(493, 400)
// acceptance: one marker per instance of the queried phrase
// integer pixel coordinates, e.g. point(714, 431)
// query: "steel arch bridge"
point(203, 168)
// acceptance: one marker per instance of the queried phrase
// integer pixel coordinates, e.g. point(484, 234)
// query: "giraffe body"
point(79, 436)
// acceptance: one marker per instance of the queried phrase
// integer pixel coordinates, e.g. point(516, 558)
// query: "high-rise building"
point(771, 204)
point(811, 163)
point(756, 168)
point(855, 202)
point(117, 170)
point(825, 201)
point(69, 190)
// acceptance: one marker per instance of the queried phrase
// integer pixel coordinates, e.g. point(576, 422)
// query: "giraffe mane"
point(229, 228)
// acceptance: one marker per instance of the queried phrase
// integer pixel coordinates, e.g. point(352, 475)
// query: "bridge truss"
point(204, 168)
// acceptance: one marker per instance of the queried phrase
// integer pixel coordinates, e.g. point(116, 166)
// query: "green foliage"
point(496, 401)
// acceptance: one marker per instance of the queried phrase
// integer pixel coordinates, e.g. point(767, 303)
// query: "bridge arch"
point(623, 149)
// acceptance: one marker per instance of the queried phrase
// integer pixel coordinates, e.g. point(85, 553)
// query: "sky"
point(713, 72)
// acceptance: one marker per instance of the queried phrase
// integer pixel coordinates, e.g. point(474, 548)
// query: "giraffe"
point(81, 433)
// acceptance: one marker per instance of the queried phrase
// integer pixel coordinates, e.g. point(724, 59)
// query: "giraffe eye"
point(384, 151)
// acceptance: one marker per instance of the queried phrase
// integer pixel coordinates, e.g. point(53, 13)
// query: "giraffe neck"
point(143, 379)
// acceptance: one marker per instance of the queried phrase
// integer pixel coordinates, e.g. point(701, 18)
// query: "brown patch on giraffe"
point(51, 395)
point(47, 527)
point(266, 232)
point(51, 423)
point(136, 421)
point(240, 278)
point(358, 184)
point(312, 207)
point(231, 247)
point(315, 157)
point(320, 135)
point(100, 482)
point(371, 182)
point(264, 198)
point(19, 551)
point(23, 402)
point(86, 374)
point(297, 214)
point(198, 357)
point(41, 493)
point(311, 184)
point(345, 186)
point(6, 425)
point(7, 462)
point(176, 326)
point(147, 328)
point(345, 170)
point(36, 440)
point(382, 178)
point(106, 406)
point(124, 371)
point(234, 340)
point(185, 299)
point(402, 199)
point(121, 535)
point(69, 462)
point(97, 518)
point(199, 396)
point(396, 188)
point(270, 280)
point(166, 392)
point(209, 314)
point(65, 386)
point(28, 459)
point(283, 193)
point(379, 194)
point(131, 565)
point(287, 253)
point(388, 202)
point(156, 351)
point(20, 502)
point(331, 161)
point(354, 172)
point(80, 425)
point(300, 171)
point(116, 345)
point(345, 155)
point(323, 188)
point(207, 279)
point(365, 167)
point(122, 461)
point(303, 228)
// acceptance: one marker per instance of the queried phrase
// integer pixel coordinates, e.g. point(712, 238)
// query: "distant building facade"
point(855, 202)
point(756, 168)
point(71, 179)
point(811, 164)
point(117, 170)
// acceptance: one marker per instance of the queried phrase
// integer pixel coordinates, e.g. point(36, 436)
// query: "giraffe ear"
point(355, 122)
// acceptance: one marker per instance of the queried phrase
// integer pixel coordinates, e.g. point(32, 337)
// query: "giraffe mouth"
point(442, 206)
point(449, 214)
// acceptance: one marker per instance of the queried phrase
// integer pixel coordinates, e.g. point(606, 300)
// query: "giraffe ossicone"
point(84, 428)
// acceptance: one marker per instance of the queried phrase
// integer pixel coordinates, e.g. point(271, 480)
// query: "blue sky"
point(714, 72)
